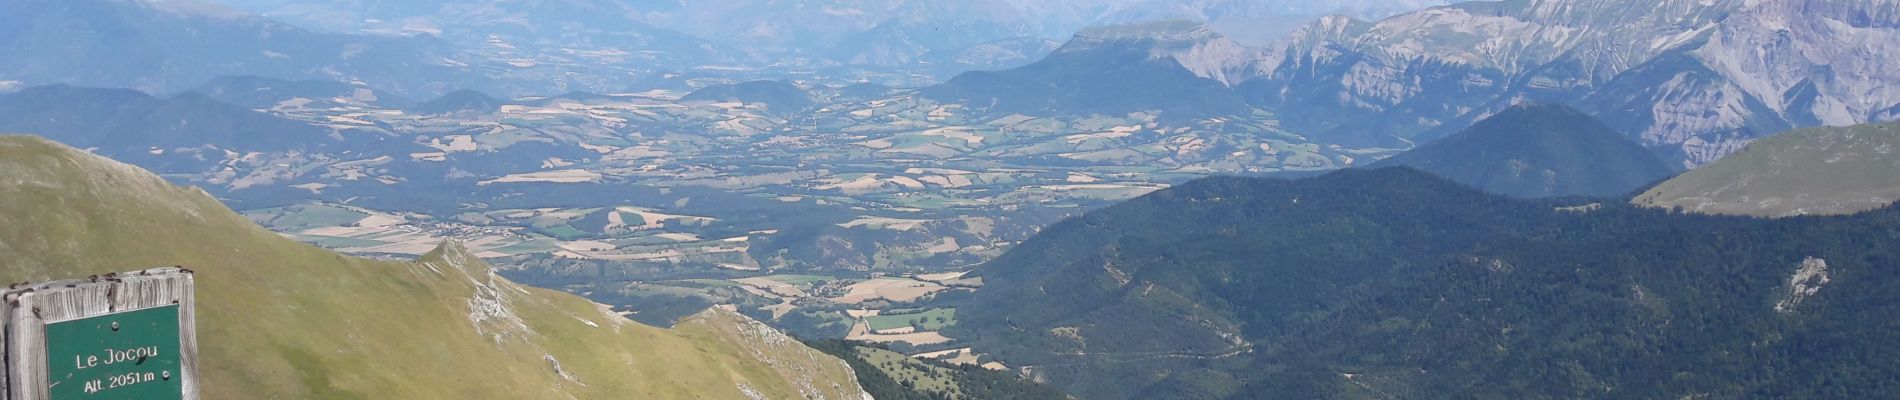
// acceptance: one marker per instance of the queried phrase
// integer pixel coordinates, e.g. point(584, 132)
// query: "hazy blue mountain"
point(893, 32)
point(1539, 150)
point(1393, 283)
point(1260, 22)
point(263, 92)
point(1111, 70)
point(121, 120)
point(900, 34)
point(186, 133)
point(865, 91)
point(459, 101)
point(173, 45)
point(921, 29)
point(1001, 54)
point(888, 33)
point(779, 96)
point(601, 31)
point(510, 47)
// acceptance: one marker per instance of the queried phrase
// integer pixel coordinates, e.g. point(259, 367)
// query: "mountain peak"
point(1195, 46)
point(460, 100)
point(775, 94)
point(452, 252)
point(38, 163)
point(1539, 150)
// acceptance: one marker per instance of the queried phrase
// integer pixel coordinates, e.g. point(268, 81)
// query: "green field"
point(531, 246)
point(642, 241)
point(930, 318)
point(564, 232)
point(344, 242)
point(706, 283)
point(916, 374)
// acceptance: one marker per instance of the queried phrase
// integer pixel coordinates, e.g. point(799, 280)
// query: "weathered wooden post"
point(118, 336)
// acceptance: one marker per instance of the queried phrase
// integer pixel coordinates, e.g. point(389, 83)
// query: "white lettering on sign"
point(120, 380)
point(115, 356)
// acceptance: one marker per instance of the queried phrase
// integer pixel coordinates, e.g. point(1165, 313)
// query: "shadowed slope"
point(1539, 150)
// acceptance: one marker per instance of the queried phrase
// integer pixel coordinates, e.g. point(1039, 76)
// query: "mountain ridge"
point(1397, 282)
point(1814, 171)
point(279, 318)
point(1692, 85)
point(163, 47)
point(1171, 67)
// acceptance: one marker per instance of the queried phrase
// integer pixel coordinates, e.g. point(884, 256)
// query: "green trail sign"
point(128, 355)
point(125, 336)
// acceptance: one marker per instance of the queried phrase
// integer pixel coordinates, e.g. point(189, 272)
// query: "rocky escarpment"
point(1695, 79)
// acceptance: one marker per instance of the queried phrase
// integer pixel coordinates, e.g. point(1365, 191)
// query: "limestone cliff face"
point(1196, 47)
point(1696, 79)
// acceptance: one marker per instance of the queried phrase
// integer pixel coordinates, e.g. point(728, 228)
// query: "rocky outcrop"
point(1696, 79)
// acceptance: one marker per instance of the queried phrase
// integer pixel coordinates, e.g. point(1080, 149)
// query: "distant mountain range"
point(183, 133)
point(1111, 71)
point(259, 92)
point(278, 318)
point(459, 101)
point(1709, 76)
point(1260, 22)
point(1391, 283)
point(128, 121)
point(169, 46)
point(810, 32)
point(1817, 171)
point(1695, 89)
point(1539, 150)
point(1697, 79)
point(777, 95)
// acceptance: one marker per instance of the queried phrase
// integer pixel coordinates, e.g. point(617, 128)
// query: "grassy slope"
point(1819, 171)
point(281, 319)
point(922, 376)
point(893, 321)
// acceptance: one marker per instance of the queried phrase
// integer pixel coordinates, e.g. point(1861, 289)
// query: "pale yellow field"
point(861, 331)
point(893, 289)
point(562, 176)
point(960, 356)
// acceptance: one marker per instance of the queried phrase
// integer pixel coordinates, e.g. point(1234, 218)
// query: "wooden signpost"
point(118, 336)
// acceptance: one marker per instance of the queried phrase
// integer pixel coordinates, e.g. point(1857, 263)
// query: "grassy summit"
point(1818, 171)
point(281, 319)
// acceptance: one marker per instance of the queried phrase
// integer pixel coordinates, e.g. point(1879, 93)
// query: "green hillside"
point(281, 319)
point(889, 375)
point(1818, 171)
point(1539, 150)
point(1392, 283)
